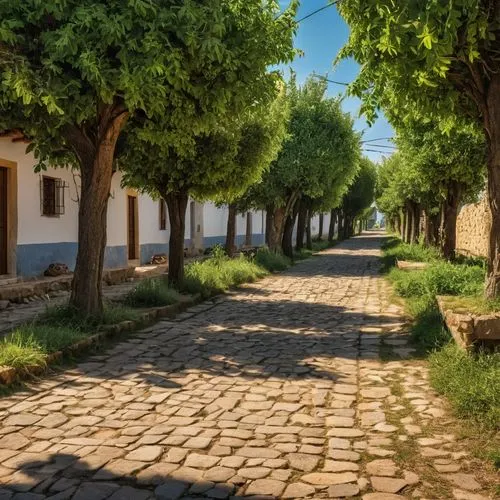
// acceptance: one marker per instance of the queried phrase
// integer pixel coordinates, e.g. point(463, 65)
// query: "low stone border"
point(407, 265)
point(9, 375)
point(470, 330)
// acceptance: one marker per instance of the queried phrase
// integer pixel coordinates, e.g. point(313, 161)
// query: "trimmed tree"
point(216, 165)
point(320, 154)
point(359, 196)
point(438, 58)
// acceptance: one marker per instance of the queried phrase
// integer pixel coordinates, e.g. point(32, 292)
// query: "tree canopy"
point(436, 59)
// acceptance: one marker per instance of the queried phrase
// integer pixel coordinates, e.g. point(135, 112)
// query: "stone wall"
point(473, 225)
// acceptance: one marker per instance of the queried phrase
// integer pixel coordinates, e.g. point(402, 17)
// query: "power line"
point(378, 139)
point(328, 80)
point(383, 146)
point(314, 12)
point(377, 151)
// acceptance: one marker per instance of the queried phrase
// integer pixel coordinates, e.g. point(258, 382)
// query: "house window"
point(52, 196)
point(163, 215)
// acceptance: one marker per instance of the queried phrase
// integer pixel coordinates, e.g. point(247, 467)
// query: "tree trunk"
point(346, 227)
point(449, 220)
point(287, 243)
point(427, 229)
point(492, 127)
point(320, 229)
point(415, 222)
point(269, 222)
point(404, 225)
point(409, 223)
point(397, 224)
point(340, 229)
point(301, 225)
point(331, 228)
point(177, 204)
point(230, 246)
point(96, 170)
point(276, 229)
point(309, 244)
point(249, 230)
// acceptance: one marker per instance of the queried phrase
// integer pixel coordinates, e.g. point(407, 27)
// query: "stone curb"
point(9, 374)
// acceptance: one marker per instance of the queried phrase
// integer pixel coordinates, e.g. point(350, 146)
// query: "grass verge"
point(468, 380)
point(153, 292)
point(218, 273)
point(57, 328)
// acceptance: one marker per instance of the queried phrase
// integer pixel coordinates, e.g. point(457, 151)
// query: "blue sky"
point(320, 38)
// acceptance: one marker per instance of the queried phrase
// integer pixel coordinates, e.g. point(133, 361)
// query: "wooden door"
point(3, 221)
point(132, 228)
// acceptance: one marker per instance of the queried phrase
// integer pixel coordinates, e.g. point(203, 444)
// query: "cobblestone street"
point(300, 385)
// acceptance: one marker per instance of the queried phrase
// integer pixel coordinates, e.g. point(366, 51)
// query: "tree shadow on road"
point(104, 472)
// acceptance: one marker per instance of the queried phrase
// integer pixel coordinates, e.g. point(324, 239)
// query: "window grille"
point(52, 199)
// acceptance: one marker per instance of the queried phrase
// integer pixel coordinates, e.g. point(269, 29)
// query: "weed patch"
point(271, 261)
point(153, 292)
point(218, 273)
point(469, 381)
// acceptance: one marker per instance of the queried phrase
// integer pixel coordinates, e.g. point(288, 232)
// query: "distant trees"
point(432, 173)
point(359, 197)
point(319, 158)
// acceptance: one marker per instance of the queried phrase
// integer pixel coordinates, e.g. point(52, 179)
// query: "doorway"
point(132, 224)
point(4, 230)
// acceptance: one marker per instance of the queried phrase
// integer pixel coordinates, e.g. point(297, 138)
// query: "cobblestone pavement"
point(296, 386)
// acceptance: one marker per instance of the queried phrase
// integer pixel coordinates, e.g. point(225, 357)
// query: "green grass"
point(57, 328)
point(153, 292)
point(67, 316)
point(394, 249)
point(28, 344)
point(476, 304)
point(469, 381)
point(440, 278)
point(271, 261)
point(218, 273)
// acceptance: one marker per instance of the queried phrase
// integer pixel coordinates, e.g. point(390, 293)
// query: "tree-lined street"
point(302, 384)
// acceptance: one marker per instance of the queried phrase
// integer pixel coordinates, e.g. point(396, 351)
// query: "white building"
point(39, 219)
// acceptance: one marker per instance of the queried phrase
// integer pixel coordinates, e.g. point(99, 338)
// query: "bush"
point(469, 381)
point(153, 292)
point(218, 273)
point(428, 330)
point(271, 261)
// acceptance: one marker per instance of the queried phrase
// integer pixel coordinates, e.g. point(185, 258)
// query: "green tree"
point(449, 169)
point(217, 165)
point(73, 72)
point(262, 134)
point(438, 58)
point(359, 196)
point(320, 153)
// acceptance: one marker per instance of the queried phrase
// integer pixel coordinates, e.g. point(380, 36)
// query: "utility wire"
point(377, 151)
point(378, 139)
point(383, 146)
point(314, 12)
point(328, 80)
